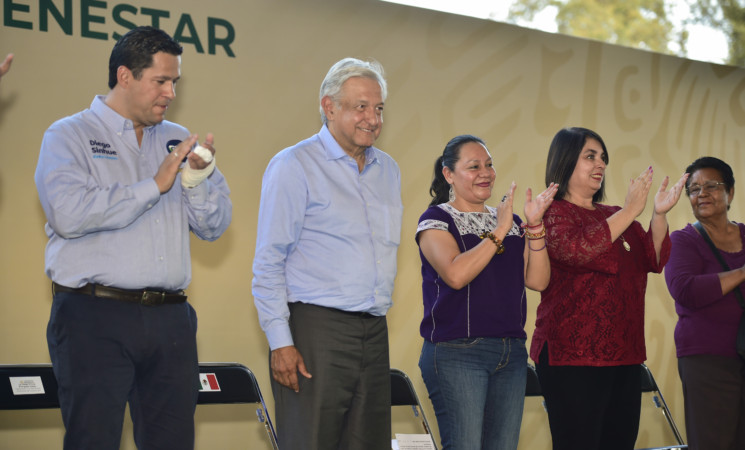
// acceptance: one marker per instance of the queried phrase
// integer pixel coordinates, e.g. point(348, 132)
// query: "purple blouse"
point(494, 303)
point(707, 320)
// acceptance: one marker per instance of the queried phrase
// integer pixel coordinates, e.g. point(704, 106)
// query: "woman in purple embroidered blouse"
point(476, 264)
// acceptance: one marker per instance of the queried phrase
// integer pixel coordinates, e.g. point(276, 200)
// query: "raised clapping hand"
point(535, 208)
point(195, 161)
point(5, 66)
point(169, 167)
point(665, 200)
point(504, 210)
point(636, 196)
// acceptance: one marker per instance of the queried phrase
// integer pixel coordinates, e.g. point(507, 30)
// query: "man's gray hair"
point(346, 69)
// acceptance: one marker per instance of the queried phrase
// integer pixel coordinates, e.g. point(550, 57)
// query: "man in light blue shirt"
point(328, 232)
point(121, 189)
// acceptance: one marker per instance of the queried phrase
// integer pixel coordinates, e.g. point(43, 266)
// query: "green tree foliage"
point(635, 23)
point(728, 16)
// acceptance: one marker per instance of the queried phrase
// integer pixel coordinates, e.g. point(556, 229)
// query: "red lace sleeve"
point(577, 238)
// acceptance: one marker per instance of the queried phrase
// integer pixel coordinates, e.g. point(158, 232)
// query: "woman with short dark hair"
point(709, 310)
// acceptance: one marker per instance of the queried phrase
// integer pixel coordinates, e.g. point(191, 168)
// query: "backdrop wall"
point(251, 74)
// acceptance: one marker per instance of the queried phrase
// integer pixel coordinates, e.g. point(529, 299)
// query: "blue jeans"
point(477, 389)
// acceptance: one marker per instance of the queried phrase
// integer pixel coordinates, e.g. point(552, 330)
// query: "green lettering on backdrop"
point(47, 7)
point(214, 41)
point(156, 15)
point(220, 32)
point(116, 13)
point(86, 18)
point(9, 21)
point(185, 22)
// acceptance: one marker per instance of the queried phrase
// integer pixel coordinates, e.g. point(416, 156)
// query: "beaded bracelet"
point(540, 235)
point(497, 242)
point(526, 230)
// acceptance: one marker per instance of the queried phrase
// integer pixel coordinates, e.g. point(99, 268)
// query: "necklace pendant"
point(626, 246)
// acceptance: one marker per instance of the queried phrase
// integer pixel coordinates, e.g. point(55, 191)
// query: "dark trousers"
point(591, 408)
point(714, 396)
point(347, 403)
point(106, 353)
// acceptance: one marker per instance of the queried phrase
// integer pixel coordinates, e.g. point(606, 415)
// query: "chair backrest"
point(33, 386)
point(402, 390)
point(532, 385)
point(404, 394)
point(28, 386)
point(648, 384)
point(229, 382)
point(235, 383)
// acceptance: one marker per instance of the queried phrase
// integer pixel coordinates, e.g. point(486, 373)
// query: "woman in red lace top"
point(589, 336)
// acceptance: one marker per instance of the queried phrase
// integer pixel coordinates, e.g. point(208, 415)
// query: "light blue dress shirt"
point(107, 222)
point(327, 234)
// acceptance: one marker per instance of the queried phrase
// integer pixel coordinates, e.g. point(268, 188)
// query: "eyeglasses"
point(710, 186)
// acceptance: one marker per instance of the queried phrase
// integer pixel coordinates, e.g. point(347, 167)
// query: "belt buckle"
point(150, 298)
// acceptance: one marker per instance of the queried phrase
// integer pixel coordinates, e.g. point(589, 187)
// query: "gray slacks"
point(346, 405)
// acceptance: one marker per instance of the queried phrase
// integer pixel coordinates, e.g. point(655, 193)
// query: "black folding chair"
point(33, 386)
point(650, 385)
point(532, 385)
point(27, 386)
point(403, 394)
point(533, 389)
point(229, 382)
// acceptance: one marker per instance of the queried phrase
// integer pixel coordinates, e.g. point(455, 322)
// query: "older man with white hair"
point(328, 232)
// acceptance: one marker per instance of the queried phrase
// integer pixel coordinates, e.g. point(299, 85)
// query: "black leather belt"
point(143, 296)
point(362, 314)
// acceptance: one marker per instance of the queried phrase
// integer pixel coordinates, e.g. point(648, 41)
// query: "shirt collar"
point(334, 150)
point(112, 119)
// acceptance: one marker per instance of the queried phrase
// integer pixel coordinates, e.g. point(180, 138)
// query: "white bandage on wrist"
point(192, 177)
point(203, 153)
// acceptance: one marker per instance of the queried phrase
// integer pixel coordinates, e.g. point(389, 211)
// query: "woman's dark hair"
point(136, 48)
point(710, 162)
point(440, 188)
point(564, 154)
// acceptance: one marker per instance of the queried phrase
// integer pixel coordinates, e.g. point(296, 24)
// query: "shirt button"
point(149, 205)
point(157, 220)
point(161, 258)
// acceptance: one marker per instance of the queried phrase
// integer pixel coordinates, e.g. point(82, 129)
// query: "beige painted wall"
point(447, 75)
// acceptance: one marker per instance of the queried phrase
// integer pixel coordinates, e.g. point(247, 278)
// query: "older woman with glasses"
point(704, 276)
